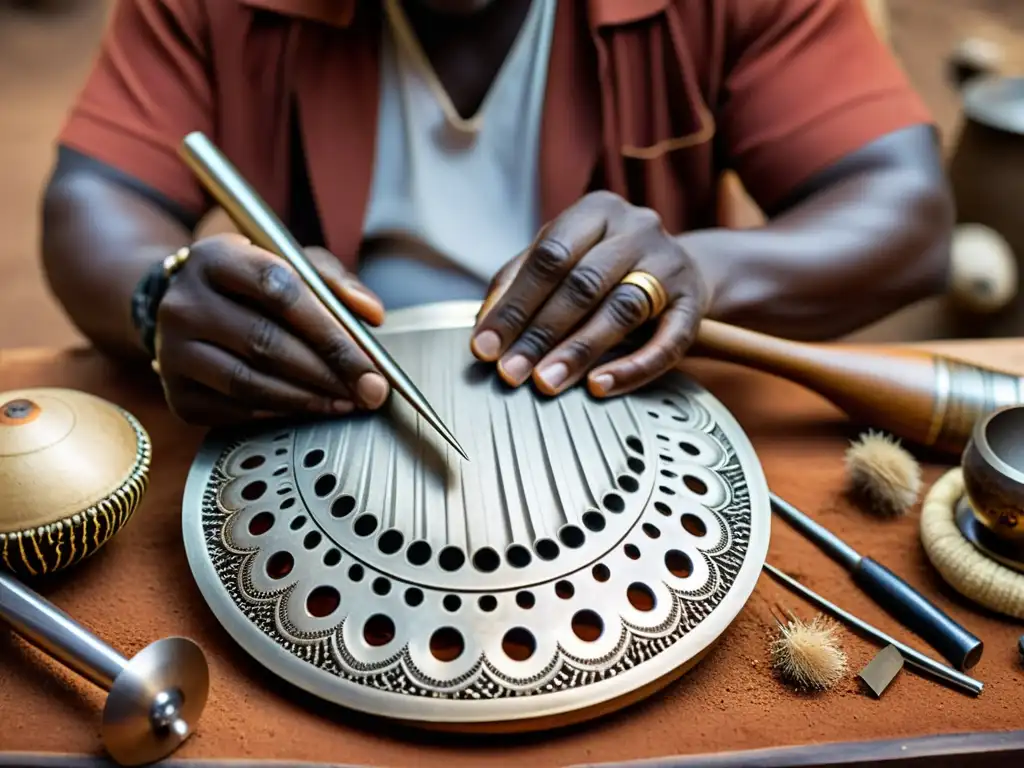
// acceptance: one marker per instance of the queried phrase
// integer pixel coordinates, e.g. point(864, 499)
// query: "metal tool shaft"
point(53, 631)
point(827, 541)
point(905, 603)
point(913, 658)
point(259, 223)
point(153, 699)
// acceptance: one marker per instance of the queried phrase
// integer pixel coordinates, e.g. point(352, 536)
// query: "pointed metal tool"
point(908, 606)
point(255, 219)
point(913, 658)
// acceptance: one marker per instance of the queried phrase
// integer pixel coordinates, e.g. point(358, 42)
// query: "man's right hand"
point(240, 336)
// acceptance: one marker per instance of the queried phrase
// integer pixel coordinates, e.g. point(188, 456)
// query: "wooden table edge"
point(963, 750)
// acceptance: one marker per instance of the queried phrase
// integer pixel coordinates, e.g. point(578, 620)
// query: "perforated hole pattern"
point(518, 643)
point(347, 545)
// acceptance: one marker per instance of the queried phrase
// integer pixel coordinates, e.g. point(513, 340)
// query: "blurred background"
point(46, 49)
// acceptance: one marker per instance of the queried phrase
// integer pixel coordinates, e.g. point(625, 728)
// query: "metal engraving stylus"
point(913, 658)
point(908, 606)
point(257, 222)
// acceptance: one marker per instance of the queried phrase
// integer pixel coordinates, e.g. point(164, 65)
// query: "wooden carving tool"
point(925, 398)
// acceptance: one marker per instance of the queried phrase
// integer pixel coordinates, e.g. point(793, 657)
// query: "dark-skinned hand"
point(555, 310)
point(240, 336)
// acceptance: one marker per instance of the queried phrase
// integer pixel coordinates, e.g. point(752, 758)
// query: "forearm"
point(843, 258)
point(98, 241)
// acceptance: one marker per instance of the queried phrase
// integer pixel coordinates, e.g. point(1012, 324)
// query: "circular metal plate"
point(588, 553)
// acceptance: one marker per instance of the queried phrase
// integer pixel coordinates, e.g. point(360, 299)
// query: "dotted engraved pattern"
point(671, 421)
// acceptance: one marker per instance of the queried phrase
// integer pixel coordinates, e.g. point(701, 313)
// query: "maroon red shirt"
point(652, 99)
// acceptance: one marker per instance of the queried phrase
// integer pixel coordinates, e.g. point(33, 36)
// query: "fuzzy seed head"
point(808, 654)
point(882, 474)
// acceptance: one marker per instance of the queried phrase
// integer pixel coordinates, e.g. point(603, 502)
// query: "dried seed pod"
point(808, 654)
point(882, 475)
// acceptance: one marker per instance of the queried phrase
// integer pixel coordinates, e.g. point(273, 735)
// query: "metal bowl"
point(993, 467)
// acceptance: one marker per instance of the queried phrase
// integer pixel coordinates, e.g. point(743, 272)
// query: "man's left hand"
point(555, 310)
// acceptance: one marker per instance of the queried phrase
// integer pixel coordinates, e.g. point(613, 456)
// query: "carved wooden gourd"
point(73, 469)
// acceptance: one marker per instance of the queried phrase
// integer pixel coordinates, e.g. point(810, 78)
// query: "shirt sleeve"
point(149, 86)
point(807, 82)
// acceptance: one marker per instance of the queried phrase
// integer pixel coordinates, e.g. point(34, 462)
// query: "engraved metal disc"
point(589, 552)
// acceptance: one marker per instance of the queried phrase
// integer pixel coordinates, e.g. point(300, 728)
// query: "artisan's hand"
point(555, 310)
point(240, 336)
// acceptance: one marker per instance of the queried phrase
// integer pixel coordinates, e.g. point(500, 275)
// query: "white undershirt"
point(448, 207)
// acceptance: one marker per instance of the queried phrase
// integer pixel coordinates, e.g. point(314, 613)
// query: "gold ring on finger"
point(657, 298)
point(176, 260)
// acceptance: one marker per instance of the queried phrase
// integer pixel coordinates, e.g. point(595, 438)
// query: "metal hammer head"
point(155, 702)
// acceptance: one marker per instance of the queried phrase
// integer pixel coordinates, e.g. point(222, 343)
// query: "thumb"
point(346, 286)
